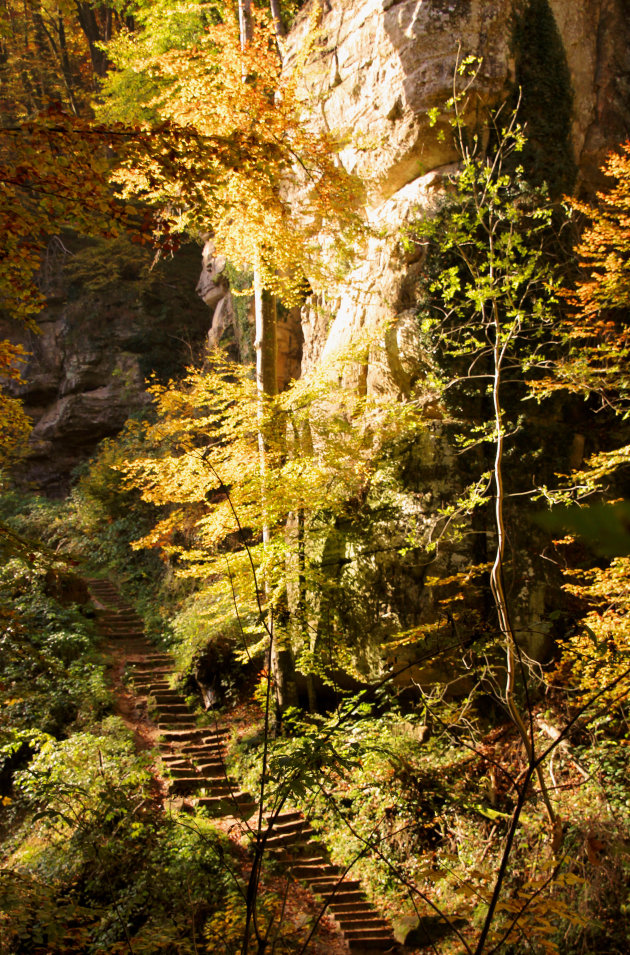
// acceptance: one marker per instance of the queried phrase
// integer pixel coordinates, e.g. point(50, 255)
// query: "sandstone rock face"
point(379, 66)
point(596, 39)
point(100, 337)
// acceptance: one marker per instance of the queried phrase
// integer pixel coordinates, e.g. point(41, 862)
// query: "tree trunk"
point(93, 33)
point(281, 662)
point(278, 22)
point(245, 24)
point(496, 575)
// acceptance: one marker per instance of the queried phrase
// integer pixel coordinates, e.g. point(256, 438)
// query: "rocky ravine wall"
point(378, 67)
point(108, 324)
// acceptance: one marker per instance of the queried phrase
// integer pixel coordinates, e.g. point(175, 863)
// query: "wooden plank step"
point(176, 718)
point(121, 618)
point(211, 735)
point(298, 851)
point(183, 772)
point(308, 871)
point(173, 708)
point(166, 717)
point(342, 895)
point(133, 628)
point(210, 757)
point(327, 886)
point(286, 828)
point(186, 786)
point(123, 635)
point(327, 883)
point(146, 670)
point(211, 772)
point(179, 735)
point(241, 805)
point(152, 658)
point(290, 839)
point(207, 752)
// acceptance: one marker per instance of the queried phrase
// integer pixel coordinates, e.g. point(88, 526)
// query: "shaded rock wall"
point(108, 325)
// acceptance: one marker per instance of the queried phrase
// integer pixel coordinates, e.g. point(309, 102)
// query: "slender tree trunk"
point(278, 22)
point(496, 576)
point(265, 345)
point(281, 661)
point(92, 30)
point(245, 24)
point(65, 64)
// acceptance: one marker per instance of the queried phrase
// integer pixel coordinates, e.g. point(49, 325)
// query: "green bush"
point(95, 857)
point(52, 674)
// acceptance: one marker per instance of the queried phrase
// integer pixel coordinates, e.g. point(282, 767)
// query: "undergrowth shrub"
point(94, 859)
point(52, 674)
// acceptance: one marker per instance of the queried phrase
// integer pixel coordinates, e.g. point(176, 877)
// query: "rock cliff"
point(376, 69)
point(380, 65)
point(109, 323)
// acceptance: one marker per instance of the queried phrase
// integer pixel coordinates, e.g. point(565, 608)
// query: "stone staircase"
point(194, 758)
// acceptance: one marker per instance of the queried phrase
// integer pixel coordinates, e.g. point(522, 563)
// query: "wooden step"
point(149, 670)
point(183, 772)
point(207, 756)
point(306, 871)
point(240, 804)
point(205, 752)
point(166, 726)
point(180, 735)
point(368, 946)
point(346, 905)
point(287, 828)
point(177, 708)
point(283, 817)
point(186, 785)
point(211, 772)
point(290, 839)
point(342, 895)
point(367, 922)
point(153, 658)
point(325, 885)
point(169, 720)
point(120, 621)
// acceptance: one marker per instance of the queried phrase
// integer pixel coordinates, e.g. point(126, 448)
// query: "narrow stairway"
point(194, 758)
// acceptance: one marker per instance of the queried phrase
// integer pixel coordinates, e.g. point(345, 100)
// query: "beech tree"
point(489, 309)
point(271, 210)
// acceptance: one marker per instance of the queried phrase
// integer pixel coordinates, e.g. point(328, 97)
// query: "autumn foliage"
point(282, 196)
point(594, 333)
